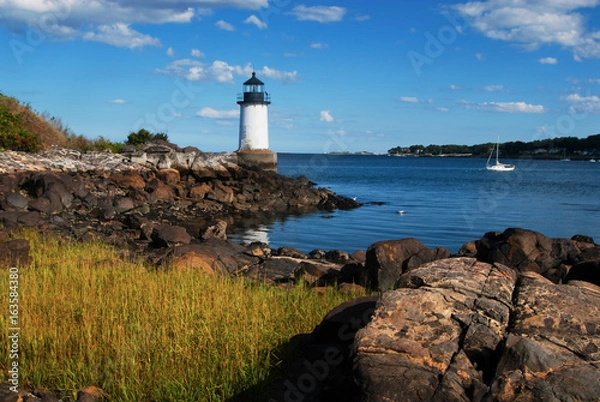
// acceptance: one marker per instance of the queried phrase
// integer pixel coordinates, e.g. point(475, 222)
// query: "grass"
point(88, 317)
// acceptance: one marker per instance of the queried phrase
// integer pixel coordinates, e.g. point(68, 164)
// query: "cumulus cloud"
point(318, 13)
point(225, 26)
point(221, 72)
point(283, 76)
point(253, 19)
point(454, 87)
point(535, 23)
point(170, 52)
point(585, 104)
point(68, 20)
point(409, 99)
point(326, 116)
point(117, 101)
point(548, 60)
point(210, 113)
point(505, 107)
point(121, 35)
point(196, 53)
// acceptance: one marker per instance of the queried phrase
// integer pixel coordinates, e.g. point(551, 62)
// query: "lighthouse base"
point(258, 158)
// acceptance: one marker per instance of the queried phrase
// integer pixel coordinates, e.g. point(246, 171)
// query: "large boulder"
point(434, 338)
point(165, 235)
point(528, 251)
point(213, 256)
point(553, 350)
point(464, 330)
point(324, 370)
point(387, 260)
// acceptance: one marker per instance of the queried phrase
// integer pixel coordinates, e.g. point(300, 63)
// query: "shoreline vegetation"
point(90, 316)
point(555, 148)
point(547, 149)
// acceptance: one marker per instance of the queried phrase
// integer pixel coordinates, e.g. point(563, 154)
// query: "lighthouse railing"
point(254, 97)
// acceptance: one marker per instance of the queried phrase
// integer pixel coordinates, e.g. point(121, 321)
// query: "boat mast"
point(497, 149)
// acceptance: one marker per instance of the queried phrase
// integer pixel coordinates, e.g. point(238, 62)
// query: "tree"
point(144, 136)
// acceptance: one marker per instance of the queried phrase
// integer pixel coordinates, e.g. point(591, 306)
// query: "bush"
point(13, 135)
point(144, 136)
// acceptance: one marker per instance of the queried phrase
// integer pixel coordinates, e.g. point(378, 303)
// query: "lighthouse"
point(254, 126)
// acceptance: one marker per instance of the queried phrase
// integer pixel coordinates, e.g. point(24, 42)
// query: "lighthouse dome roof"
point(254, 81)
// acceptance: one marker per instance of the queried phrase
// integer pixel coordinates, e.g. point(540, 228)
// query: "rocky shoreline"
point(512, 316)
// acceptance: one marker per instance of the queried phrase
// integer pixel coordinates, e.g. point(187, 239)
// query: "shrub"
point(144, 136)
point(13, 135)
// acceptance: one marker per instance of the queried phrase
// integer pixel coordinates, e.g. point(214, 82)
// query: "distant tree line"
point(552, 147)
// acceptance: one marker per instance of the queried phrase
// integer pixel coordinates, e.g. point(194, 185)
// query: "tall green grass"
point(88, 317)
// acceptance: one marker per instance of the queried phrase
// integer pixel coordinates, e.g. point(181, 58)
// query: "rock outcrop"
point(463, 330)
point(530, 251)
point(153, 195)
point(387, 260)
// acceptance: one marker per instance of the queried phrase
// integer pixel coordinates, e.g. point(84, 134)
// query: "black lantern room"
point(254, 92)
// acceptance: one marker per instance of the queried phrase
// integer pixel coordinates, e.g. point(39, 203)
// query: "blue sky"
point(343, 76)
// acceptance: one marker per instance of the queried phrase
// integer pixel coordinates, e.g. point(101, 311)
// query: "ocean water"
point(439, 201)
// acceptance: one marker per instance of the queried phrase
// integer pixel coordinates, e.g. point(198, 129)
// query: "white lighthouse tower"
point(254, 126)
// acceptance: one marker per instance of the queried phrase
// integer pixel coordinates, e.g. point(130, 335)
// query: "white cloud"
point(574, 98)
point(253, 19)
point(117, 101)
point(505, 107)
point(170, 52)
point(409, 99)
point(585, 104)
point(196, 53)
point(493, 88)
point(361, 18)
point(454, 87)
point(318, 13)
point(318, 45)
point(532, 24)
point(74, 14)
point(443, 109)
point(101, 20)
point(548, 60)
point(283, 76)
point(225, 26)
point(121, 35)
point(221, 72)
point(210, 113)
point(326, 116)
point(480, 56)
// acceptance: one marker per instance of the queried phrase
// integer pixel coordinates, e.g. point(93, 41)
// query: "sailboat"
point(498, 166)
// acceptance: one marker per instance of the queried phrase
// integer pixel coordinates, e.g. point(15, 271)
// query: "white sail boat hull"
point(498, 166)
point(502, 167)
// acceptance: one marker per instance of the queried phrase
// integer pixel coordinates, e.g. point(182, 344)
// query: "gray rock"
point(16, 200)
point(166, 235)
point(387, 260)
